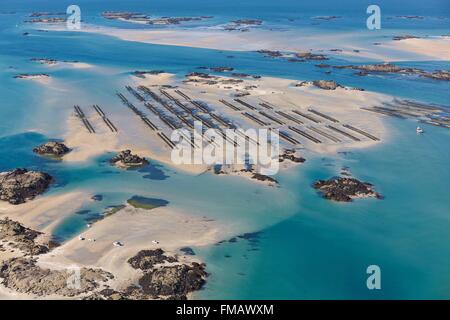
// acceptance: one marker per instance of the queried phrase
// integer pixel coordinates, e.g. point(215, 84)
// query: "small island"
point(125, 159)
point(52, 148)
point(345, 189)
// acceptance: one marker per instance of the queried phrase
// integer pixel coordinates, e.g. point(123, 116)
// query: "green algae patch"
point(146, 203)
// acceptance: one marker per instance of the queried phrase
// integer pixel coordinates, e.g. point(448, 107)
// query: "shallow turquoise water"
point(322, 252)
point(307, 247)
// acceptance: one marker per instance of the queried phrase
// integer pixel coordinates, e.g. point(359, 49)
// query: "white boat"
point(155, 242)
point(419, 130)
point(118, 244)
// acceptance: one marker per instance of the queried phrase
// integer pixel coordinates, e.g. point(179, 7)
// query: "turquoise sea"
point(289, 243)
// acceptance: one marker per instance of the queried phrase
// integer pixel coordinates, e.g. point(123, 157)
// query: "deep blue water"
point(307, 248)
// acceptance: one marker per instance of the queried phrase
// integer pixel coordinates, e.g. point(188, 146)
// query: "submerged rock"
point(126, 159)
point(345, 189)
point(53, 148)
point(188, 251)
point(20, 185)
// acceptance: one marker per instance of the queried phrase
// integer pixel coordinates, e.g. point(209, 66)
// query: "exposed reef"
point(166, 276)
point(20, 185)
point(15, 236)
point(408, 36)
point(345, 189)
point(52, 148)
point(125, 159)
point(25, 276)
point(391, 68)
point(32, 76)
point(289, 154)
point(142, 74)
point(145, 19)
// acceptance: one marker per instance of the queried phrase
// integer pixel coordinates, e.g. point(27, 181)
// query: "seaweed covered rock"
point(126, 159)
point(147, 259)
point(345, 189)
point(53, 148)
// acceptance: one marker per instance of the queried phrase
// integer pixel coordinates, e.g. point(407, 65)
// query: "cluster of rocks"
point(31, 76)
point(46, 13)
point(345, 189)
point(20, 185)
point(408, 36)
point(255, 22)
point(217, 69)
point(289, 154)
point(322, 84)
point(163, 277)
point(242, 25)
point(271, 53)
point(44, 61)
point(147, 259)
point(207, 79)
point(311, 56)
point(53, 148)
point(326, 18)
point(142, 74)
point(410, 17)
point(19, 237)
point(166, 276)
point(391, 68)
point(126, 159)
point(23, 275)
point(143, 18)
point(296, 57)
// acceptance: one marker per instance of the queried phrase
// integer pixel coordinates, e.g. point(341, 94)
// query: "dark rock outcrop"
point(21, 237)
point(311, 56)
point(345, 189)
point(262, 177)
point(20, 185)
point(177, 280)
point(290, 155)
point(166, 276)
point(53, 148)
point(326, 84)
point(147, 259)
point(128, 160)
point(25, 276)
point(391, 68)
